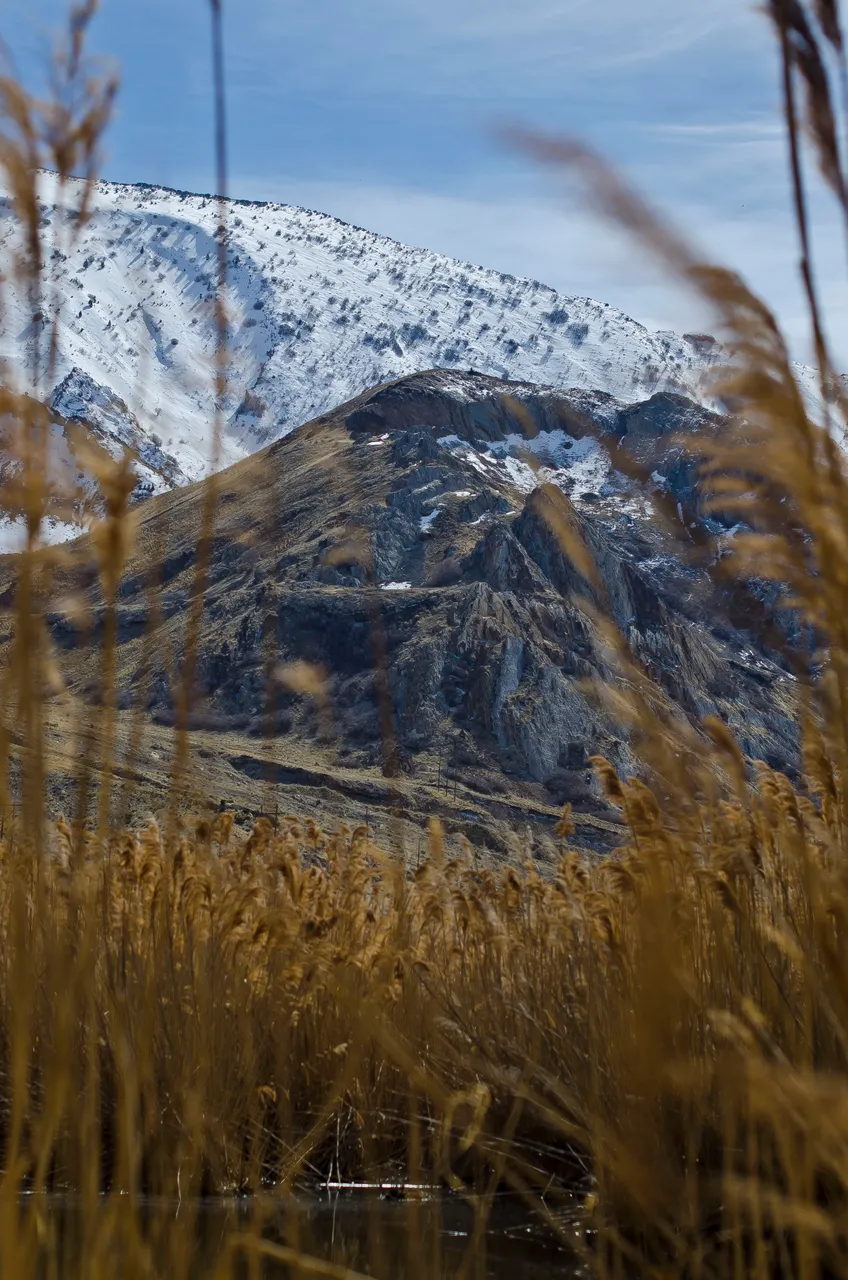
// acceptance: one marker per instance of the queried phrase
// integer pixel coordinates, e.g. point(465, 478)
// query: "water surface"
point(434, 1236)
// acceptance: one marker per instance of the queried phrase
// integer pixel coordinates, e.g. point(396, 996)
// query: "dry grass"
point(185, 1011)
point(207, 1014)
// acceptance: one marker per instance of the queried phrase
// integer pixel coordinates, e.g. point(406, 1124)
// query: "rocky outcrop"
point(79, 399)
point(439, 549)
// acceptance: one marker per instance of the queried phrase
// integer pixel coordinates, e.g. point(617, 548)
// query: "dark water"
point(435, 1237)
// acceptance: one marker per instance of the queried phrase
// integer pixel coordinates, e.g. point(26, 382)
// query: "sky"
point(391, 114)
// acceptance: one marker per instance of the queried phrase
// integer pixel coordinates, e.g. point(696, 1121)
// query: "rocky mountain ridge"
point(407, 546)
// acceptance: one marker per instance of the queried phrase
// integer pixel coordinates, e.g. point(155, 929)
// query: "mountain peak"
point(318, 309)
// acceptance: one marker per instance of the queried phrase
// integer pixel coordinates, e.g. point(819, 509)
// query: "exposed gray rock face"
point(422, 546)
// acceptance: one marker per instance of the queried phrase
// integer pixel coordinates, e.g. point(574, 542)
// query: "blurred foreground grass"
point(661, 1036)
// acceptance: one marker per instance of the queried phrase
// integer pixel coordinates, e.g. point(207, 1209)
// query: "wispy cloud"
point(478, 48)
point(722, 131)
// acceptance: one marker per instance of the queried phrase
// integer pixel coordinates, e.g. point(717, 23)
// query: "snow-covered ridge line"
point(319, 310)
point(106, 190)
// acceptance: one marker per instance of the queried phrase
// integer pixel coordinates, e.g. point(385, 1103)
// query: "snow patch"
point(13, 534)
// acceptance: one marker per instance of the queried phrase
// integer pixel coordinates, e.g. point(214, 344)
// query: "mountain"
point(318, 311)
point(409, 545)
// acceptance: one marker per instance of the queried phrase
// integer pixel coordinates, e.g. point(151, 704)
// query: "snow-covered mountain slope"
point(319, 311)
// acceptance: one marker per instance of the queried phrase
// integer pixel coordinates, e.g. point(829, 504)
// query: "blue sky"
point(385, 112)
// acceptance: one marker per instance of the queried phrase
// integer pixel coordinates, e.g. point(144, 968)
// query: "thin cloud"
point(722, 130)
point(474, 49)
